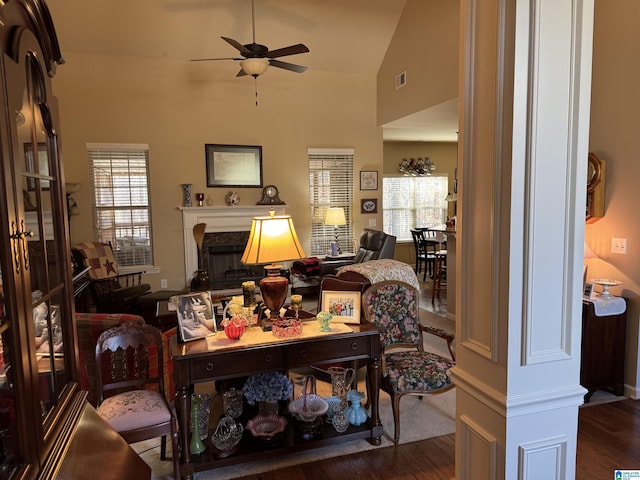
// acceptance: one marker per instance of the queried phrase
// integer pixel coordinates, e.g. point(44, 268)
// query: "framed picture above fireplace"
point(233, 165)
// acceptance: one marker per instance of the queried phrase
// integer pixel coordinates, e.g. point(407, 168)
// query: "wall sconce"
point(417, 166)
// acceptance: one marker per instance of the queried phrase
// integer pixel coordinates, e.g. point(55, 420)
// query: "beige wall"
point(614, 136)
point(425, 45)
point(177, 107)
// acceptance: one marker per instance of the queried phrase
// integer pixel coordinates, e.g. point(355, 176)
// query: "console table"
point(194, 363)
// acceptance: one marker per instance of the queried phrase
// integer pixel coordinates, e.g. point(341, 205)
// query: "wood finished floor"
point(608, 439)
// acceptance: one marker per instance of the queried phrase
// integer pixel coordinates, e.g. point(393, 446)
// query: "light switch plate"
point(163, 283)
point(372, 222)
point(619, 245)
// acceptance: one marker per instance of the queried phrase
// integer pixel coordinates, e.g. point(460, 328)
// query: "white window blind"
point(120, 190)
point(330, 185)
point(410, 202)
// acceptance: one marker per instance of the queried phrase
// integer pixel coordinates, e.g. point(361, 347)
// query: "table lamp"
point(335, 216)
point(272, 239)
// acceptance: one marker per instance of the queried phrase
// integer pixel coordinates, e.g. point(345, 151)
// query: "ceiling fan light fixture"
point(254, 66)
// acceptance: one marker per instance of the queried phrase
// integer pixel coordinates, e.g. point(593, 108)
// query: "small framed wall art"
point(369, 205)
point(369, 180)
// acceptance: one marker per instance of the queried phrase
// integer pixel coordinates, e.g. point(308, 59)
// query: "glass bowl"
point(266, 426)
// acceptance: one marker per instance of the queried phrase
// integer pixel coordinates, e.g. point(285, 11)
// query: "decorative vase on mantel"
point(186, 193)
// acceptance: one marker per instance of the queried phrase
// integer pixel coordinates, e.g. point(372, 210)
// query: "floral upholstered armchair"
point(407, 369)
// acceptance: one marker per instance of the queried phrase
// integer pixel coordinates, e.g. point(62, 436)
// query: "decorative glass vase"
point(204, 411)
point(268, 408)
point(186, 192)
point(196, 445)
point(340, 421)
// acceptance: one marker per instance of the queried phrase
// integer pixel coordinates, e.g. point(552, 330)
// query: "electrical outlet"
point(163, 283)
point(619, 245)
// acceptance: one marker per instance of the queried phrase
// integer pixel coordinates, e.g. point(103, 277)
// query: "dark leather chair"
point(373, 245)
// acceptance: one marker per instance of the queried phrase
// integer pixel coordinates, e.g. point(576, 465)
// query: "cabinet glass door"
point(44, 215)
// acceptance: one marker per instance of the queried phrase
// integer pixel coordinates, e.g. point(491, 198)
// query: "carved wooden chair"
point(111, 291)
point(131, 392)
point(407, 369)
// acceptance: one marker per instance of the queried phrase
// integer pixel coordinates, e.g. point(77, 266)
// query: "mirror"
point(595, 188)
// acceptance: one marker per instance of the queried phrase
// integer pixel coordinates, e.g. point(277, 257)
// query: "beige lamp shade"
point(588, 253)
point(335, 216)
point(272, 239)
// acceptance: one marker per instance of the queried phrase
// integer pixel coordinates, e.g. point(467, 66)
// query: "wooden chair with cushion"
point(407, 369)
point(126, 401)
point(111, 291)
point(89, 327)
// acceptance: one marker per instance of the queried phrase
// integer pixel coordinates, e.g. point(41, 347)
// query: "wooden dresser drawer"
point(236, 363)
point(336, 349)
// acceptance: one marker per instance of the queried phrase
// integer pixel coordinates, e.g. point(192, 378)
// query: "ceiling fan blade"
point(241, 48)
point(241, 73)
point(209, 59)
point(287, 66)
point(291, 50)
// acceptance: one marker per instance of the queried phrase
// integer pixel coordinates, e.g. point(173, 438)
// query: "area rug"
point(420, 419)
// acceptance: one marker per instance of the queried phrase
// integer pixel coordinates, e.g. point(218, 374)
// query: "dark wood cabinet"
point(603, 350)
point(44, 415)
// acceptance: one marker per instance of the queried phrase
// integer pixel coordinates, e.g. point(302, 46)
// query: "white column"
point(524, 120)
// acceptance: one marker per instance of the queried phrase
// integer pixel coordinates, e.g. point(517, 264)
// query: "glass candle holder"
point(249, 293)
point(296, 303)
point(200, 199)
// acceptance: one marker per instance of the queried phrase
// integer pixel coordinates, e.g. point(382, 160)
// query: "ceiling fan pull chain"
point(255, 86)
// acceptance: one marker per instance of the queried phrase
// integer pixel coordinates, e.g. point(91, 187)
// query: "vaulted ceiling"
point(349, 36)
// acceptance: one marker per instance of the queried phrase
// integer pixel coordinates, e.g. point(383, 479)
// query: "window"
point(330, 185)
point(410, 202)
point(120, 190)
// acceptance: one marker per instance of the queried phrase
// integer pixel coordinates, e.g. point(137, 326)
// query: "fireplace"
point(224, 221)
point(222, 253)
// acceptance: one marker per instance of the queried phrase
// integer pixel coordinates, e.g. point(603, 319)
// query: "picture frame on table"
point(343, 305)
point(233, 165)
point(196, 316)
point(369, 180)
point(588, 292)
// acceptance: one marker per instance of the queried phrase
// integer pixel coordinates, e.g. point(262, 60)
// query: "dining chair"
point(439, 265)
point(407, 369)
point(419, 245)
point(131, 389)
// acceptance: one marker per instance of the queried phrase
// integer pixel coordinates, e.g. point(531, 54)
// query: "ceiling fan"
point(256, 58)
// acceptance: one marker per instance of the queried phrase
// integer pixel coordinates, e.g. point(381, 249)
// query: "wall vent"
point(401, 80)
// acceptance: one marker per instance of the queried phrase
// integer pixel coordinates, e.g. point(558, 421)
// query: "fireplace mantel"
point(236, 218)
